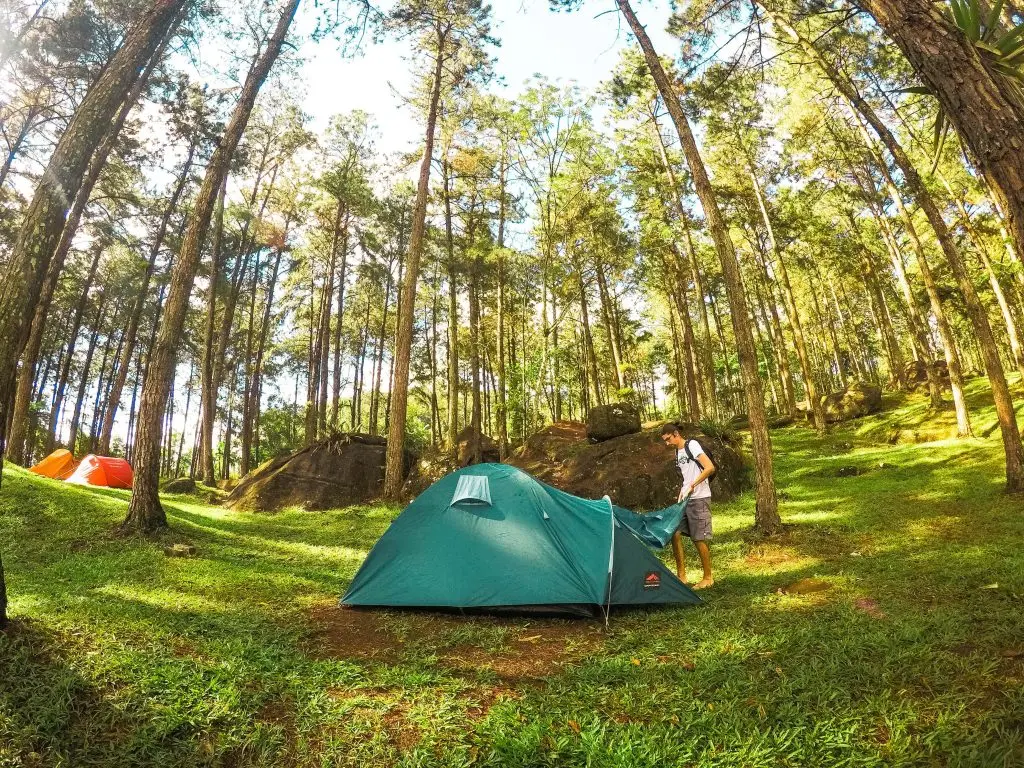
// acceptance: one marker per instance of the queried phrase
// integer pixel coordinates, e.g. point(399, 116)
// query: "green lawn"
point(914, 656)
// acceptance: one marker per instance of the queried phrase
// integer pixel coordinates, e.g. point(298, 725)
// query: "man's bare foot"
point(682, 577)
point(704, 583)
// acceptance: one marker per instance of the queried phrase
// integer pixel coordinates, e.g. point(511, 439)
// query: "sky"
point(582, 46)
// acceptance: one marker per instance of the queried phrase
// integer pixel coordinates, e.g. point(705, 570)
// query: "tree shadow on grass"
point(50, 714)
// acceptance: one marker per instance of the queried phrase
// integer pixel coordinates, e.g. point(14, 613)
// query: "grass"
point(914, 656)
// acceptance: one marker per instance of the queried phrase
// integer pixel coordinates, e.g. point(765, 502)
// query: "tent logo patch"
point(652, 580)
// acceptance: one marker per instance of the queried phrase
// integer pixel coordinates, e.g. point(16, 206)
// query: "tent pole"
point(611, 559)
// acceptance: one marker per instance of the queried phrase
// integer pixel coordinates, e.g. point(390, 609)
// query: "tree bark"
point(83, 383)
point(144, 510)
point(208, 385)
point(453, 324)
point(394, 471)
point(22, 276)
point(767, 519)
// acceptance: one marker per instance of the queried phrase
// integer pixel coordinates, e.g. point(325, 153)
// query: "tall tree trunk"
point(394, 471)
point(208, 396)
point(767, 519)
point(609, 323)
point(23, 275)
point(987, 121)
point(893, 354)
point(338, 323)
point(144, 510)
point(83, 383)
point(76, 324)
point(70, 229)
point(949, 346)
point(135, 318)
point(919, 333)
point(814, 401)
point(103, 389)
point(1016, 349)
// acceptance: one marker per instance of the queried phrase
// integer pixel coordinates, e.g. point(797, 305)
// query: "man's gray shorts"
point(698, 517)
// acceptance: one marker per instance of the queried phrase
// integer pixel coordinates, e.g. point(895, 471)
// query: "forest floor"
point(901, 644)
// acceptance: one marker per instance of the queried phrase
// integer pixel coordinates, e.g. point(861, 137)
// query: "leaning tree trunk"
point(144, 510)
point(987, 115)
point(74, 217)
point(395, 458)
point(990, 125)
point(766, 513)
point(22, 276)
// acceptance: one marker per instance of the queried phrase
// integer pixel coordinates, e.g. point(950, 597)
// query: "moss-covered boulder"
point(607, 421)
point(857, 400)
point(338, 472)
point(637, 471)
point(180, 485)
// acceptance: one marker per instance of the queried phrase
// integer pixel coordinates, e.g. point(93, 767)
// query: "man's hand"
point(684, 492)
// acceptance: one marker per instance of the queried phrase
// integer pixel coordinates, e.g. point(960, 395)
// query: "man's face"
point(673, 440)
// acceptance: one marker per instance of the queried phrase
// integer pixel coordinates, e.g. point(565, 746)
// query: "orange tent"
point(59, 465)
point(104, 471)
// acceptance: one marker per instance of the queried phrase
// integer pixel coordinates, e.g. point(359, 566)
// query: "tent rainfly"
point(59, 465)
point(103, 471)
point(492, 538)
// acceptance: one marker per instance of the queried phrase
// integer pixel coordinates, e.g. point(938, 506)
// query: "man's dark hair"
point(670, 429)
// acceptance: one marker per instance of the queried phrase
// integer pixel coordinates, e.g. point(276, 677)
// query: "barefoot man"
point(696, 468)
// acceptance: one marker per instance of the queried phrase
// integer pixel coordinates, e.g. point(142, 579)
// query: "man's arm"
point(707, 467)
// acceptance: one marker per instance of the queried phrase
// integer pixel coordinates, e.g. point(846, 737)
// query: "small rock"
point(848, 471)
point(806, 587)
point(886, 465)
point(180, 550)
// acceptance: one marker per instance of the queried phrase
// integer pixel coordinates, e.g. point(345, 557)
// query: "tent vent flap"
point(472, 489)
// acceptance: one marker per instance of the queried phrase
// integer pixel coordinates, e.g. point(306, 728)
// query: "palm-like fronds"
point(1001, 52)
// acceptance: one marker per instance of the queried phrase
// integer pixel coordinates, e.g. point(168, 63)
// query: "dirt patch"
point(403, 734)
point(539, 651)
point(534, 650)
point(281, 713)
point(344, 633)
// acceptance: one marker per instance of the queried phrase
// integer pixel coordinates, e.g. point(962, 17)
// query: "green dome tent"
point(491, 537)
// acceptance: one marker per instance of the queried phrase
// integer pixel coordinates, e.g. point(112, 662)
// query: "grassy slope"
point(124, 657)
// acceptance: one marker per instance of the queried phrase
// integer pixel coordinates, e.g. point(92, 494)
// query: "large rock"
point(489, 451)
point(181, 485)
point(917, 373)
point(607, 421)
point(428, 469)
point(338, 472)
point(858, 399)
point(637, 471)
